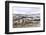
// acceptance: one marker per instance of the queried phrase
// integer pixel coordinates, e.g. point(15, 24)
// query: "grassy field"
point(25, 23)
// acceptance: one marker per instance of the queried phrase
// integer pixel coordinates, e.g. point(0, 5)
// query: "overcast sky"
point(26, 10)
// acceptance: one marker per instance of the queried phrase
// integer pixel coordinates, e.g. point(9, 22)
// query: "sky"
point(26, 10)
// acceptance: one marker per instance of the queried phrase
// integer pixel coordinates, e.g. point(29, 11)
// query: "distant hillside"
point(27, 15)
